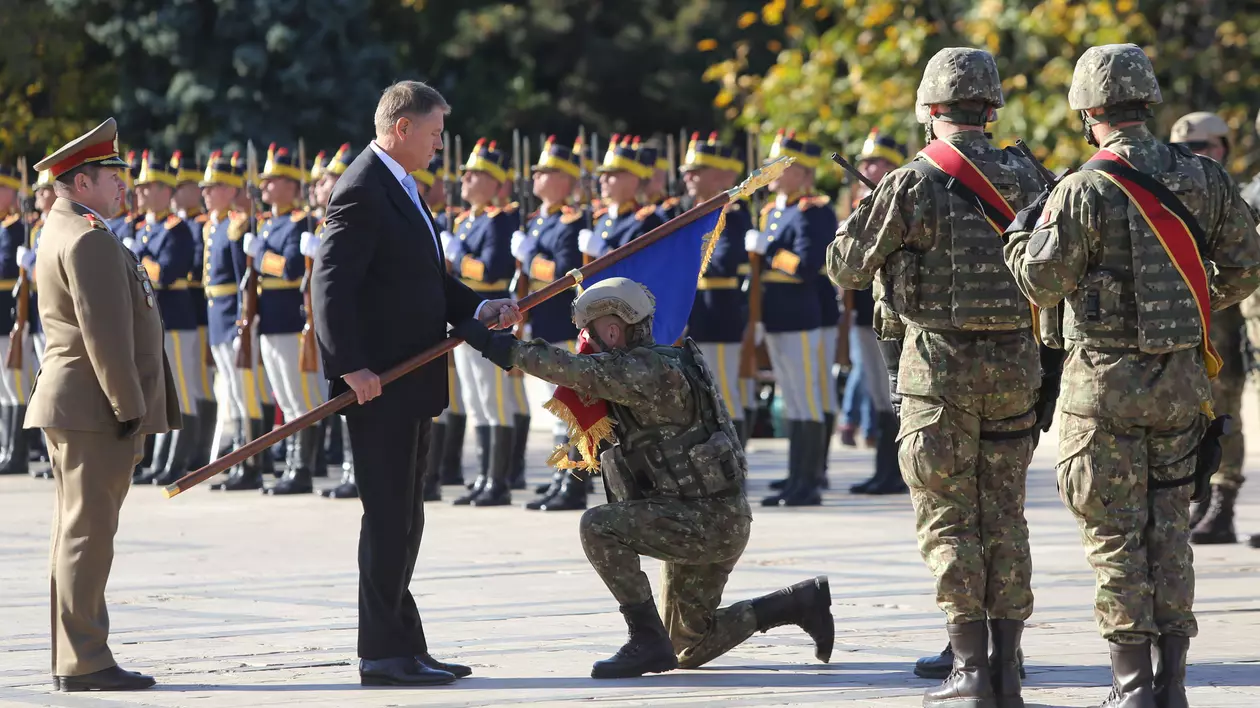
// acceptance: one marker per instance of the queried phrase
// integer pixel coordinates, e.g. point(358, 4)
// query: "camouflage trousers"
point(966, 468)
point(1137, 538)
point(1227, 332)
point(700, 542)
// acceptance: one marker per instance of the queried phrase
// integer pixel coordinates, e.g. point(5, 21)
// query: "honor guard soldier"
point(129, 212)
point(675, 474)
point(795, 228)
point(164, 244)
point(548, 247)
point(627, 166)
point(446, 447)
point(480, 254)
point(1128, 257)
point(720, 314)
point(278, 249)
point(224, 270)
point(187, 204)
point(968, 367)
point(45, 196)
point(657, 190)
point(1212, 522)
point(15, 383)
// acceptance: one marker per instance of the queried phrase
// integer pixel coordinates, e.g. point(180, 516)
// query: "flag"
point(670, 269)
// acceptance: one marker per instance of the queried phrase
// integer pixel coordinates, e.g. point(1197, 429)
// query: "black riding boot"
point(497, 491)
point(829, 421)
point(7, 413)
point(182, 445)
point(807, 605)
point(139, 474)
point(297, 475)
point(1132, 678)
point(163, 444)
point(1005, 663)
point(268, 468)
point(432, 463)
point(453, 449)
point(520, 441)
point(805, 492)
point(970, 683)
point(483, 454)
point(207, 421)
point(246, 475)
point(18, 442)
point(548, 491)
point(746, 427)
point(1170, 671)
point(570, 497)
point(348, 488)
point(796, 448)
point(646, 651)
point(887, 479)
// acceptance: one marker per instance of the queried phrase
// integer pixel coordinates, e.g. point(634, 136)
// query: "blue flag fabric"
point(669, 268)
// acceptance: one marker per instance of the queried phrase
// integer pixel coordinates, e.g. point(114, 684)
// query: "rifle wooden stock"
point(21, 313)
point(347, 398)
point(249, 310)
point(748, 348)
point(308, 350)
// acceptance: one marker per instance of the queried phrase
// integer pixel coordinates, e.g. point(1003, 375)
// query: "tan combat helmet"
point(623, 297)
point(1197, 130)
point(959, 74)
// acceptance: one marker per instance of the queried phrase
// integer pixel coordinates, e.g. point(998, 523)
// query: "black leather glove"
point(493, 345)
point(127, 429)
point(890, 349)
point(1027, 217)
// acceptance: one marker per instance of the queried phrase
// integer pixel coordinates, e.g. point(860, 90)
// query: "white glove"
point(130, 243)
point(26, 258)
point(247, 243)
point(523, 246)
point(759, 332)
point(587, 243)
point(756, 242)
point(446, 237)
point(309, 245)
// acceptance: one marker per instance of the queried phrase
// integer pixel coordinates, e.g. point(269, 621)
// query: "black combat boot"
point(520, 441)
point(804, 491)
point(1132, 680)
point(570, 497)
point(807, 605)
point(432, 463)
point(348, 488)
point(497, 491)
point(19, 447)
point(796, 448)
point(829, 423)
point(7, 413)
point(1217, 525)
point(182, 443)
point(969, 684)
point(647, 650)
point(482, 433)
point(1005, 663)
point(453, 449)
point(297, 473)
point(1170, 671)
point(937, 666)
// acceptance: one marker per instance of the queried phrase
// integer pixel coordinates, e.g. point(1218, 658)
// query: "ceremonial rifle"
point(308, 349)
point(448, 184)
point(21, 291)
point(748, 347)
point(759, 178)
point(595, 160)
point(520, 178)
point(848, 167)
point(249, 283)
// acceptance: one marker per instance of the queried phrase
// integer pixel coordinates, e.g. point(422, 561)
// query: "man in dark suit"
point(382, 295)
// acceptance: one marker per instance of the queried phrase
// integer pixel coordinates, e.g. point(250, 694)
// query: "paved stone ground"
point(242, 600)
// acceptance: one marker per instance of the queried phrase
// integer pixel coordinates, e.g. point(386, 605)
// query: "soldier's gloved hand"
point(1027, 217)
point(309, 245)
point(130, 243)
point(588, 244)
point(248, 241)
point(523, 246)
point(759, 333)
point(756, 242)
point(495, 346)
point(26, 259)
point(447, 237)
point(127, 429)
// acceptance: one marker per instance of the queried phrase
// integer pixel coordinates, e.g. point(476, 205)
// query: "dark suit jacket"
point(381, 290)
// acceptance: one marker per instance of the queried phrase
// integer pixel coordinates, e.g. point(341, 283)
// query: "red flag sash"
point(1178, 242)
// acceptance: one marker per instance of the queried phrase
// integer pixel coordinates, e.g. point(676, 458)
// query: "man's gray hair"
point(407, 98)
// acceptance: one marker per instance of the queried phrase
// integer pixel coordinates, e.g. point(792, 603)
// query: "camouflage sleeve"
point(1049, 261)
point(636, 378)
point(1233, 258)
point(877, 228)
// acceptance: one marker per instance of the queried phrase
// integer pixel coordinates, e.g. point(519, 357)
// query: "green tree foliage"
point(848, 65)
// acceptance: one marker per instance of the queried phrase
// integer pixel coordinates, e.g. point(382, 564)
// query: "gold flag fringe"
point(586, 442)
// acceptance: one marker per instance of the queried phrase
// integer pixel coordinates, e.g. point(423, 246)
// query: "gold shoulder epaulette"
point(600, 212)
point(11, 220)
point(814, 202)
point(765, 209)
point(460, 218)
point(202, 218)
point(568, 215)
point(511, 207)
point(298, 215)
point(493, 211)
point(645, 212)
point(172, 220)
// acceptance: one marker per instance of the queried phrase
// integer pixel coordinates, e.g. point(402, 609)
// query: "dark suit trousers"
point(389, 453)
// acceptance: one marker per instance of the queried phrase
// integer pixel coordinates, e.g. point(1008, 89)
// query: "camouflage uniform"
point(687, 508)
point(1134, 385)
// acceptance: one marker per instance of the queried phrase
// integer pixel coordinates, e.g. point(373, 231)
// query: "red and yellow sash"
point(1178, 242)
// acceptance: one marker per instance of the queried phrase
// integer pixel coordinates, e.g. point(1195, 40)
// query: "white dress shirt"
point(400, 174)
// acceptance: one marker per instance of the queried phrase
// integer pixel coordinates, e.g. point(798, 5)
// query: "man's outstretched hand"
point(495, 346)
point(500, 314)
point(365, 384)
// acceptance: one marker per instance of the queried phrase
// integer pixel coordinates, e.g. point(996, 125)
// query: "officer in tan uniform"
point(104, 384)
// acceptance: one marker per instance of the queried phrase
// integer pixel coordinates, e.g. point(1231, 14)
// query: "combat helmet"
point(1198, 129)
point(959, 74)
point(623, 297)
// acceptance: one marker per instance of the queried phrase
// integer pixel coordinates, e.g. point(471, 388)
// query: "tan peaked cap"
point(99, 146)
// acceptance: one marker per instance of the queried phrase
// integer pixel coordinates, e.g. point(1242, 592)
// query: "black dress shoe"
point(456, 670)
point(111, 679)
point(345, 490)
point(400, 671)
